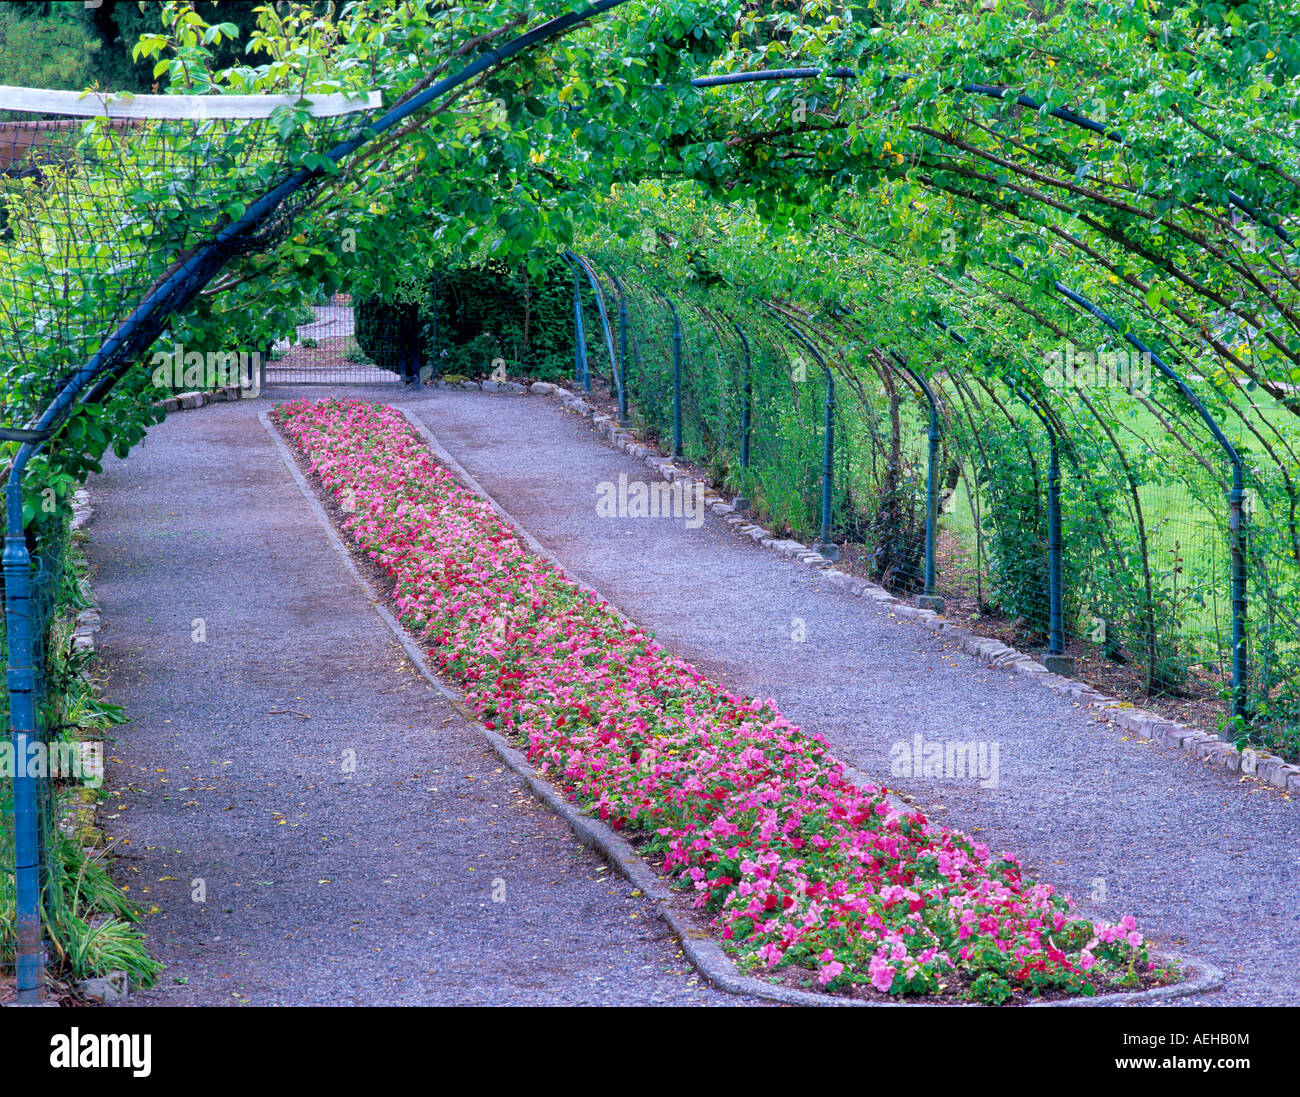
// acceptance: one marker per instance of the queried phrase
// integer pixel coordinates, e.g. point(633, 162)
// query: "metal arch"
point(678, 452)
point(932, 601)
point(135, 334)
point(827, 547)
point(742, 501)
point(1236, 495)
point(931, 478)
point(1055, 593)
point(581, 367)
point(623, 419)
point(991, 91)
point(578, 261)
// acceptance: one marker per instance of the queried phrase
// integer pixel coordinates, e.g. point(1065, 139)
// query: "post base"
point(1059, 664)
point(929, 601)
point(829, 551)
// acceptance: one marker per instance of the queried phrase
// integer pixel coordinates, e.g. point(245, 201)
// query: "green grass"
point(1187, 540)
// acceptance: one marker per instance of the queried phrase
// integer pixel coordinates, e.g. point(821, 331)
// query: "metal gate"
point(325, 352)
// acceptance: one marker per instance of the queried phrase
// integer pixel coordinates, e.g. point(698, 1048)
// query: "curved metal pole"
point(1055, 604)
point(827, 547)
point(989, 91)
point(677, 376)
point(579, 262)
point(581, 368)
point(928, 600)
point(742, 501)
point(623, 419)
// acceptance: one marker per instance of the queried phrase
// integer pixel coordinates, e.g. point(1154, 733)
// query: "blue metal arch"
point(130, 340)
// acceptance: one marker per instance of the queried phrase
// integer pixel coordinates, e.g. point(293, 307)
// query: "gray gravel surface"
point(320, 886)
point(1205, 859)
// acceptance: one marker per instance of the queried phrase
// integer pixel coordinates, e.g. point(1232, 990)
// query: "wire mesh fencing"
point(325, 348)
point(1085, 519)
point(99, 206)
point(115, 213)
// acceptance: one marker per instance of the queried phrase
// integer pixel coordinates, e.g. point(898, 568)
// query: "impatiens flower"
point(830, 968)
point(787, 857)
point(882, 975)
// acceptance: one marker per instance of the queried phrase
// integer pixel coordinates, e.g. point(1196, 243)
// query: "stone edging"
point(115, 986)
point(185, 400)
point(1148, 725)
point(87, 621)
point(700, 947)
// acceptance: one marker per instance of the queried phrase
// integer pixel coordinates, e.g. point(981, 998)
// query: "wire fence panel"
point(1083, 518)
point(112, 221)
point(325, 350)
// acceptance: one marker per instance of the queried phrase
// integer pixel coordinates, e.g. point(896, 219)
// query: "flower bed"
point(794, 865)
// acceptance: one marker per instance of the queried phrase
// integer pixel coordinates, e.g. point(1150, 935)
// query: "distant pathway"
point(1207, 861)
point(256, 673)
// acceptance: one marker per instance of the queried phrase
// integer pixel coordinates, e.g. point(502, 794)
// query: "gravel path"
point(320, 886)
point(1205, 859)
point(330, 321)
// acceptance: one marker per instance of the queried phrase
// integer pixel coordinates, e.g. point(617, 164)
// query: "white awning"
point(105, 104)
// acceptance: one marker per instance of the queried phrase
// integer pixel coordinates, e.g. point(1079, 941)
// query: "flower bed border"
point(183, 401)
point(699, 946)
point(1268, 767)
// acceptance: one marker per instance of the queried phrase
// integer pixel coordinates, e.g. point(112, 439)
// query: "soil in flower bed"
point(797, 870)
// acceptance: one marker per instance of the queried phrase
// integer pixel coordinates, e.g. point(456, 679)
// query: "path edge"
point(1267, 766)
point(700, 948)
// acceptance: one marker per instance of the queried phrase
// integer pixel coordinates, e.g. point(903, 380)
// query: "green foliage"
point(55, 50)
point(481, 315)
point(71, 45)
point(871, 212)
point(88, 919)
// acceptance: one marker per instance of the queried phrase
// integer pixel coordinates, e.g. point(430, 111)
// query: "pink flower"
point(830, 969)
point(629, 731)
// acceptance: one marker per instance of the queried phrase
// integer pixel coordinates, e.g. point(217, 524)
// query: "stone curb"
point(87, 620)
point(1147, 725)
point(699, 946)
point(183, 401)
point(82, 821)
